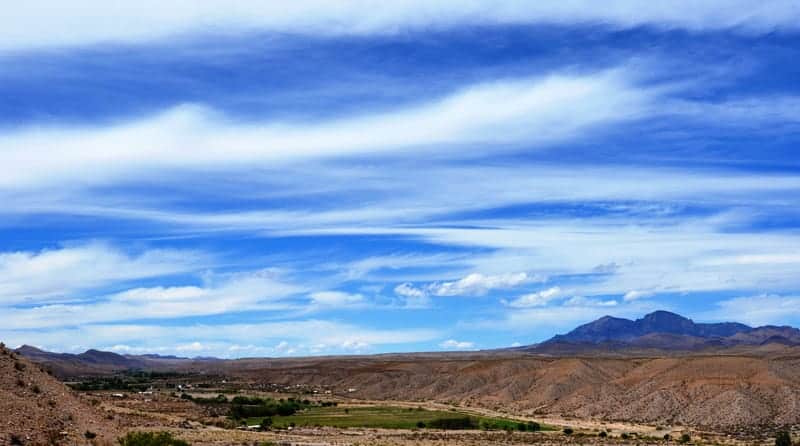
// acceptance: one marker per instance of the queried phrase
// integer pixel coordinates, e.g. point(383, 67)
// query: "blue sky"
point(234, 179)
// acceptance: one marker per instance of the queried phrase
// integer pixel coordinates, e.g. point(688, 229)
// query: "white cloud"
point(477, 284)
point(192, 347)
point(534, 111)
point(61, 273)
point(473, 284)
point(537, 299)
point(552, 319)
point(301, 337)
point(581, 301)
point(409, 290)
point(452, 344)
point(337, 299)
point(260, 290)
point(415, 298)
point(636, 294)
point(763, 309)
point(42, 23)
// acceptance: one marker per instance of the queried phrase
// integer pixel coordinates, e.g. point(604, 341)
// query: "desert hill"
point(662, 369)
point(731, 393)
point(35, 408)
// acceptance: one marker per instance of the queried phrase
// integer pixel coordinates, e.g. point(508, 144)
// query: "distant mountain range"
point(98, 362)
point(666, 331)
point(660, 331)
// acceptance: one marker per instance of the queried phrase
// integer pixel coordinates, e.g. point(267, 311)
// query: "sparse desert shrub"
point(15, 440)
point(90, 435)
point(19, 366)
point(151, 439)
point(624, 436)
point(783, 438)
point(667, 437)
point(685, 438)
point(36, 389)
point(266, 423)
point(602, 434)
point(20, 382)
point(568, 431)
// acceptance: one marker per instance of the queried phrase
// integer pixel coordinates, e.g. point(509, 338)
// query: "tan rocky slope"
point(36, 409)
point(722, 392)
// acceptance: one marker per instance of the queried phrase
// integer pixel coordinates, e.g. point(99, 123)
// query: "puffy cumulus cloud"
point(686, 254)
point(473, 284)
point(338, 299)
point(477, 284)
point(537, 299)
point(408, 290)
point(636, 294)
point(413, 298)
point(61, 273)
point(89, 22)
point(452, 344)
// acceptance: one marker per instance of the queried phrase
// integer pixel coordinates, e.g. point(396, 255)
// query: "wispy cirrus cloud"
point(227, 293)
point(535, 111)
point(60, 273)
point(761, 309)
point(88, 22)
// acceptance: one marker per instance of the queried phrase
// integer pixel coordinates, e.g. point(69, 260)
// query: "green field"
point(382, 417)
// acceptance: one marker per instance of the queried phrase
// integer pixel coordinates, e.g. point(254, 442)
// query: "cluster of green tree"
point(150, 439)
point(130, 384)
point(454, 423)
point(493, 425)
point(247, 407)
point(149, 374)
point(219, 399)
point(783, 438)
point(487, 425)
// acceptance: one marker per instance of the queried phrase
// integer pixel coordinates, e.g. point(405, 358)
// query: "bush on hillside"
point(783, 439)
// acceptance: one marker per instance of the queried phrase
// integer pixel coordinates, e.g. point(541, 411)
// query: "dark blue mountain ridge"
point(613, 329)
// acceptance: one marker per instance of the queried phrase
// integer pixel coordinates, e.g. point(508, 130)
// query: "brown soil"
point(36, 409)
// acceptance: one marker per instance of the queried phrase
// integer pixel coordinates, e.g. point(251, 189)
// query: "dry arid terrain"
point(653, 380)
point(35, 408)
point(729, 393)
point(724, 397)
